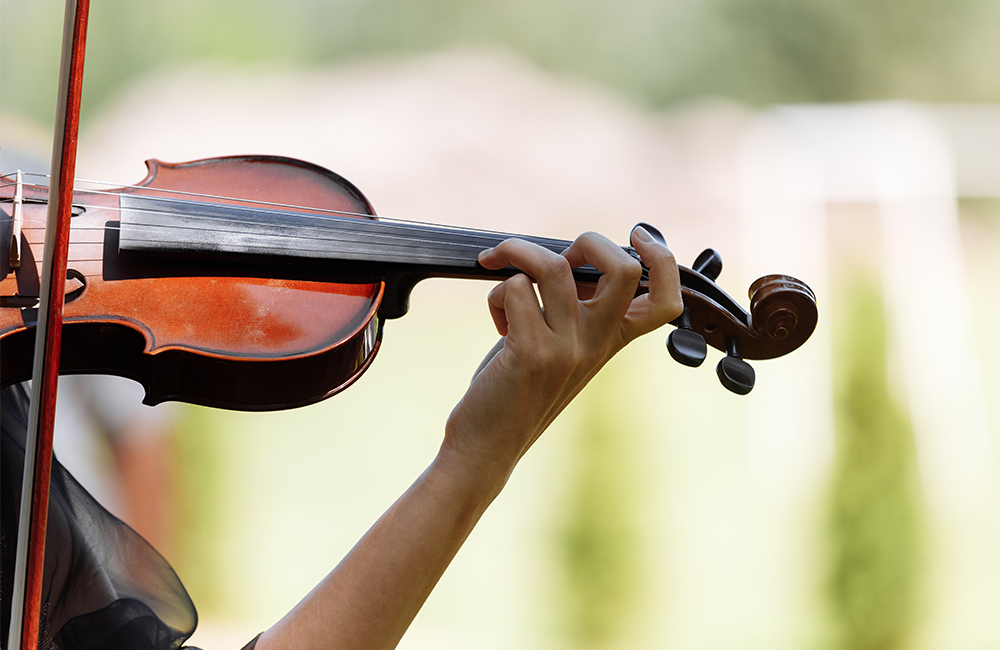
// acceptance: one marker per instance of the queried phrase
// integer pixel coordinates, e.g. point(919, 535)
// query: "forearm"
point(547, 356)
point(371, 597)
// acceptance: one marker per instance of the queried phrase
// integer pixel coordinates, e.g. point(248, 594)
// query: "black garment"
point(104, 586)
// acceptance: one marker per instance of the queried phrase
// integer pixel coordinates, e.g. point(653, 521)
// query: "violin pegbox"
point(782, 316)
point(689, 348)
point(686, 346)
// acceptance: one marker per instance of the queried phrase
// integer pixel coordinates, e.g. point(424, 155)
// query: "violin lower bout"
point(176, 373)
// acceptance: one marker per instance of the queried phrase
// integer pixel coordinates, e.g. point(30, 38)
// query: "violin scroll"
point(776, 302)
point(782, 316)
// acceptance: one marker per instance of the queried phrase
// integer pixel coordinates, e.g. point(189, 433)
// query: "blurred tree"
point(875, 533)
point(201, 466)
point(837, 50)
point(597, 539)
point(755, 51)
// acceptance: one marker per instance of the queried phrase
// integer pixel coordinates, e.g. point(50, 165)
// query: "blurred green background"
point(600, 535)
point(656, 52)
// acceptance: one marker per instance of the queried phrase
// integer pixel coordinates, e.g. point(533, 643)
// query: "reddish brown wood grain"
point(200, 331)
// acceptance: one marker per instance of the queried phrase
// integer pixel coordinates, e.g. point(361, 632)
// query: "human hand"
point(551, 350)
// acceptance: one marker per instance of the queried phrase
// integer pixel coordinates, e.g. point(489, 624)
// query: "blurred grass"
point(875, 525)
point(659, 53)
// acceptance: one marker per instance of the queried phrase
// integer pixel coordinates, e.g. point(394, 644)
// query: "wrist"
point(480, 476)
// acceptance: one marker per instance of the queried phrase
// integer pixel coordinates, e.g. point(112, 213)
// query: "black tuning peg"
point(652, 230)
point(709, 263)
point(686, 346)
point(735, 373)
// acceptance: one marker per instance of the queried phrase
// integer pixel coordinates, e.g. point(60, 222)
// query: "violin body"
point(230, 335)
point(263, 283)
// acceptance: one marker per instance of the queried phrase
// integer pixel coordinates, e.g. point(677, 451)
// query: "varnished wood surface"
point(184, 311)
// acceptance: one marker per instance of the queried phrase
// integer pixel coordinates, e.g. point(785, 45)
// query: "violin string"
point(403, 243)
point(341, 216)
point(416, 226)
point(329, 233)
point(332, 233)
point(271, 204)
point(335, 217)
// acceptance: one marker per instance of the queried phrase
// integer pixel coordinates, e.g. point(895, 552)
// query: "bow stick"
point(33, 517)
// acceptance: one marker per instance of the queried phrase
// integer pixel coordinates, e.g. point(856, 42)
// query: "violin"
point(263, 283)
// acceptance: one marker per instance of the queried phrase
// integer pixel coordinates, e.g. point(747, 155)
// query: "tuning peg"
point(652, 230)
point(709, 263)
point(735, 373)
point(686, 346)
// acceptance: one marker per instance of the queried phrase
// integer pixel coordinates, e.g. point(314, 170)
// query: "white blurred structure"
point(799, 159)
point(913, 164)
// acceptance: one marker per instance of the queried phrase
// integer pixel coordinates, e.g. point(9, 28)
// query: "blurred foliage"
point(984, 211)
point(598, 537)
point(659, 52)
point(200, 477)
point(875, 529)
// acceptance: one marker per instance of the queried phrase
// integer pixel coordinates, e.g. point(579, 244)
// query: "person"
point(548, 354)
point(548, 351)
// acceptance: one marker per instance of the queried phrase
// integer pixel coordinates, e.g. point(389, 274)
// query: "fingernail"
point(484, 252)
point(643, 235)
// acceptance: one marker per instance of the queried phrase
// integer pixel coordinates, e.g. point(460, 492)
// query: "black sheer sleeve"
point(104, 586)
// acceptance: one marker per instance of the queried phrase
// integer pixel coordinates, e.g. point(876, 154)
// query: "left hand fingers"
point(620, 274)
point(550, 271)
point(614, 302)
point(663, 303)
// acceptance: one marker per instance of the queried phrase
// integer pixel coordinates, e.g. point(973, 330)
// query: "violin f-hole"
point(76, 282)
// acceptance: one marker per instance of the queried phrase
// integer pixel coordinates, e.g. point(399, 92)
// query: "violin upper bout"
point(258, 178)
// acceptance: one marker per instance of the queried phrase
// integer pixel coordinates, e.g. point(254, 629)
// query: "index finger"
point(551, 272)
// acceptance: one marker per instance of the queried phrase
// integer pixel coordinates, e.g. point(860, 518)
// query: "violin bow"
point(33, 517)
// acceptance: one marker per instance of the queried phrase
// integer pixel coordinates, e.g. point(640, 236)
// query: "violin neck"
point(398, 252)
